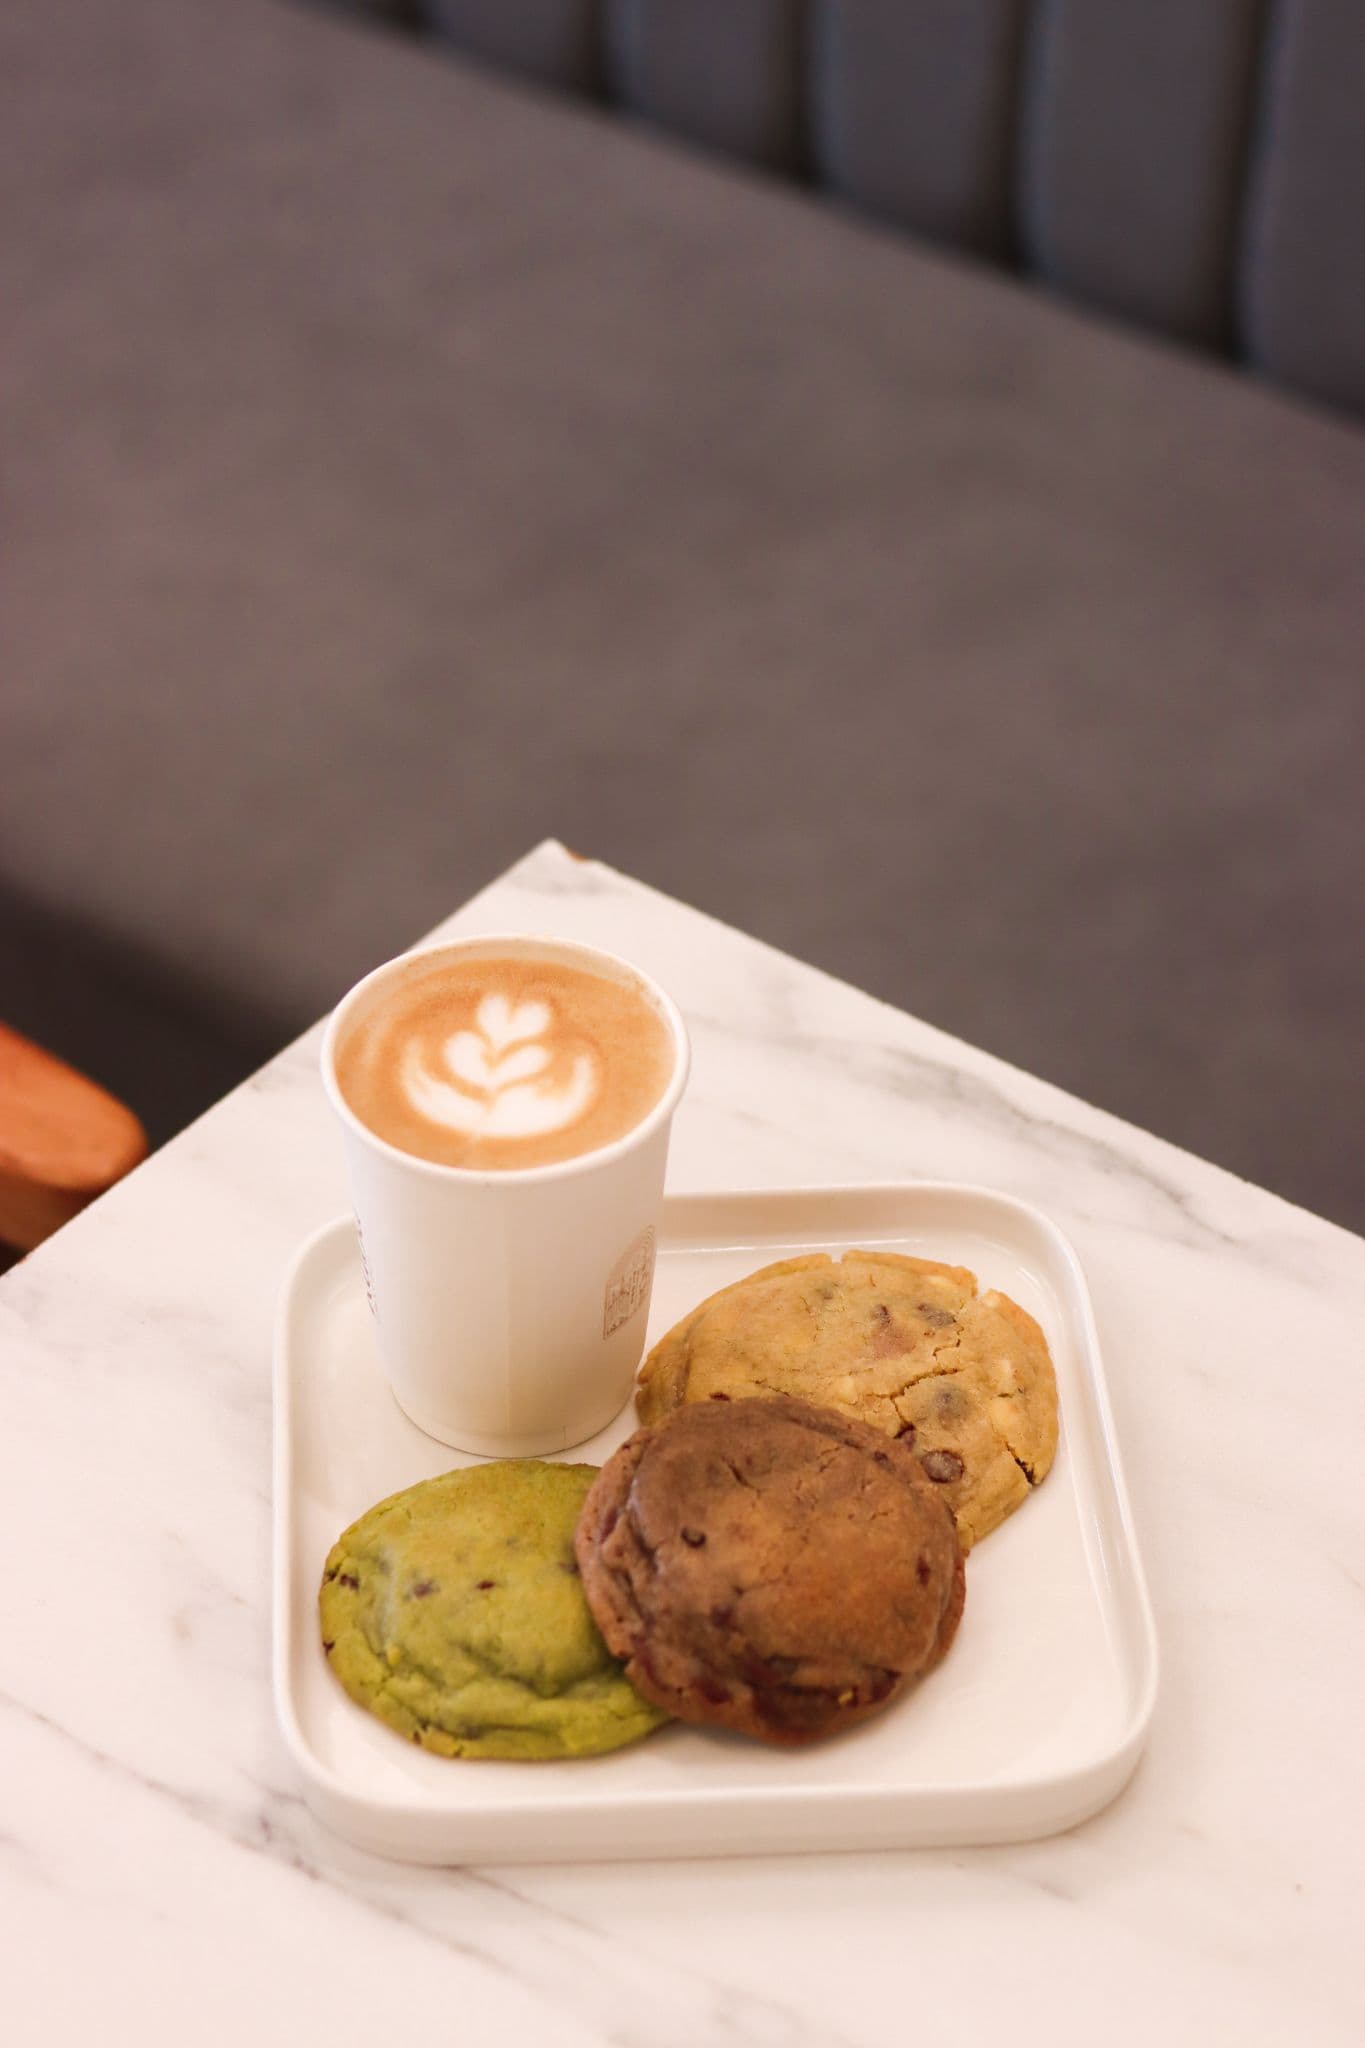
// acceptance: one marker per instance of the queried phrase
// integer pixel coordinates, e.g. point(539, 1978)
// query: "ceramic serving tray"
point(1033, 1722)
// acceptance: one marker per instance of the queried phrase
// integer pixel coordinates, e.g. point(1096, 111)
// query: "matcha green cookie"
point(454, 1612)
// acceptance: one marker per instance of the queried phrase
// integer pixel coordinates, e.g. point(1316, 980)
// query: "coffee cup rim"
point(569, 952)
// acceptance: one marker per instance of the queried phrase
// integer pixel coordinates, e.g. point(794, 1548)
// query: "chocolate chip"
point(942, 1466)
point(348, 1579)
point(723, 1617)
point(803, 1707)
point(720, 1397)
point(880, 1458)
point(421, 1589)
point(694, 1538)
point(922, 1571)
point(906, 1434)
point(936, 1318)
point(762, 1671)
point(881, 1313)
point(716, 1694)
point(486, 1585)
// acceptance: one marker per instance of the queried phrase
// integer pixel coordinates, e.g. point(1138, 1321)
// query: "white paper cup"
point(510, 1307)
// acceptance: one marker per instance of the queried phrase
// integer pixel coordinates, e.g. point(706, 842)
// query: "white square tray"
point(1034, 1721)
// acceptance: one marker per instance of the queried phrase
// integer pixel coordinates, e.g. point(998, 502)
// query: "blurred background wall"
point(888, 474)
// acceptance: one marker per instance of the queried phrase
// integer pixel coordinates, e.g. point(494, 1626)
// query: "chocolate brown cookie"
point(770, 1566)
point(910, 1346)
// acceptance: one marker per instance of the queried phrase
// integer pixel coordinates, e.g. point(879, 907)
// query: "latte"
point(503, 1062)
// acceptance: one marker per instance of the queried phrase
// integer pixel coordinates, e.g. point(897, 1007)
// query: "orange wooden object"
point(63, 1141)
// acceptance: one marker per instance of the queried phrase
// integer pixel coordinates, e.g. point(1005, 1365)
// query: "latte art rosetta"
point(512, 1076)
point(495, 1063)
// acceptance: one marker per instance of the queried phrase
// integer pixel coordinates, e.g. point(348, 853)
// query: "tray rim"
point(1095, 1778)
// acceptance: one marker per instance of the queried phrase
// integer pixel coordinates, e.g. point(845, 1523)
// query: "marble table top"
point(160, 1879)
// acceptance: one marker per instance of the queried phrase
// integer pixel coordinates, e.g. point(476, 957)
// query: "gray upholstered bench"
point(402, 465)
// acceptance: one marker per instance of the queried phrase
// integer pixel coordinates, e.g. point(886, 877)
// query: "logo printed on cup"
point(628, 1283)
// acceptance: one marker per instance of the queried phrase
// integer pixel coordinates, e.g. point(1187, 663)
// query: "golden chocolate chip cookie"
point(911, 1347)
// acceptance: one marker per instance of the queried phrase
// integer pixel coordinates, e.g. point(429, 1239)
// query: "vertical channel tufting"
point(1134, 152)
point(1197, 166)
point(1303, 283)
point(914, 105)
point(726, 73)
point(556, 42)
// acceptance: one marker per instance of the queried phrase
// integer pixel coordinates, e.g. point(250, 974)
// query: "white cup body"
point(510, 1307)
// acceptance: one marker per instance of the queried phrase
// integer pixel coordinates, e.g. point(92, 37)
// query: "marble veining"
point(160, 1877)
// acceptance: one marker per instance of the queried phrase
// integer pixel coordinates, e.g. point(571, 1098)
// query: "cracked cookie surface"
point(770, 1566)
point(454, 1612)
point(962, 1378)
